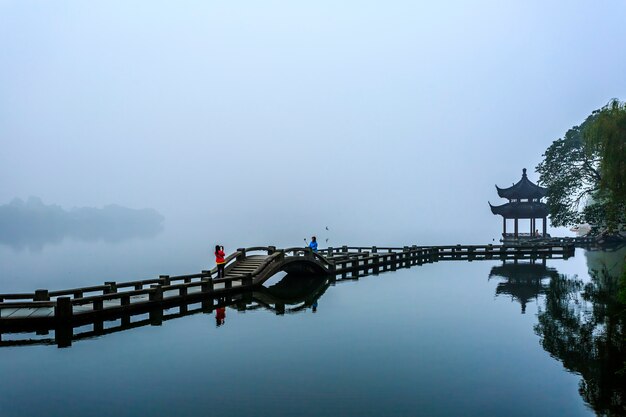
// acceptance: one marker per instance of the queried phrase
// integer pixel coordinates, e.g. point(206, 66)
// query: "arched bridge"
point(254, 266)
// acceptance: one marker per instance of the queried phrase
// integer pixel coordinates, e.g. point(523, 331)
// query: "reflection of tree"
point(582, 325)
point(522, 280)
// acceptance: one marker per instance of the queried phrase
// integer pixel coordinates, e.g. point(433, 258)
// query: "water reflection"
point(220, 316)
point(32, 224)
point(582, 324)
point(295, 293)
point(523, 280)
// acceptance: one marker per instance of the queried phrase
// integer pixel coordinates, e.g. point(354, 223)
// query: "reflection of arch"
point(296, 290)
point(522, 280)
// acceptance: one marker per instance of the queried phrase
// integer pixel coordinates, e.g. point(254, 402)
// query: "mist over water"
point(32, 224)
point(392, 344)
point(152, 131)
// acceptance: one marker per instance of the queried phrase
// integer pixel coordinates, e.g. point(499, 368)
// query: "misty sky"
point(392, 118)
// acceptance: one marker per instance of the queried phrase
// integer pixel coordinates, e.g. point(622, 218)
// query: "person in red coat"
point(219, 260)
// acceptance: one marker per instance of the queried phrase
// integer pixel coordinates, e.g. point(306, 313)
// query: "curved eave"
point(523, 210)
point(523, 189)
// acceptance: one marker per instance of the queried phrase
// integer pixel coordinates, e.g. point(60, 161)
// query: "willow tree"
point(584, 171)
point(570, 172)
point(607, 134)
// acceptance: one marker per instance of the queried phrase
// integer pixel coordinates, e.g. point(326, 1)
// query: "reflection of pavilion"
point(522, 280)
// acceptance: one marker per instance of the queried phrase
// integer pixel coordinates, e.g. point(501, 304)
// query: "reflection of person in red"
point(220, 316)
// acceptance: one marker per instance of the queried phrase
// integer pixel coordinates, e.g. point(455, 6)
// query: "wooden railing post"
point(156, 317)
point(413, 255)
point(246, 281)
point(330, 251)
point(242, 254)
point(63, 309)
point(206, 274)
point(344, 249)
point(41, 295)
point(374, 249)
point(332, 268)
point(271, 250)
point(376, 263)
point(406, 256)
point(156, 293)
point(165, 280)
point(206, 285)
point(112, 287)
point(394, 261)
point(125, 300)
point(64, 330)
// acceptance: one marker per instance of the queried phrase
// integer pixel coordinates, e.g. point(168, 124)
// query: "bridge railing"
point(306, 251)
point(355, 260)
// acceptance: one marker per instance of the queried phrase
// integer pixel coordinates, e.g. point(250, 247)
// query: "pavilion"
point(524, 203)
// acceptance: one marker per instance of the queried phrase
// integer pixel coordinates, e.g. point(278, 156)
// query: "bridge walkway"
point(245, 269)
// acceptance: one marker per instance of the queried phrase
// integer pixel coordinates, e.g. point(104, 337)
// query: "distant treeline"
point(32, 223)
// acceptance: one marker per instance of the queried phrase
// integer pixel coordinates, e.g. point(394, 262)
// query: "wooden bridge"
point(246, 270)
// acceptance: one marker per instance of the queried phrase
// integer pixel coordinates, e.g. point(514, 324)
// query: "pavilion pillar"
point(532, 227)
point(545, 226)
point(516, 228)
point(503, 226)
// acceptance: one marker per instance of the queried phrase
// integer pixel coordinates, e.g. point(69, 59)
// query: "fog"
point(32, 224)
point(266, 122)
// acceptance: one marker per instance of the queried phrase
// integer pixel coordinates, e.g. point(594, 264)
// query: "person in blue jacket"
point(313, 244)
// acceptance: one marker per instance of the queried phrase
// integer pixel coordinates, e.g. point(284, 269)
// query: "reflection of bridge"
point(307, 290)
point(246, 271)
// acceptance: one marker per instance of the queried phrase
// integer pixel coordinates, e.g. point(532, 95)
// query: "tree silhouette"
point(582, 325)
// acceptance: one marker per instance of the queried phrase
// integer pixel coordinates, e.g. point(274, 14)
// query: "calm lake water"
point(442, 339)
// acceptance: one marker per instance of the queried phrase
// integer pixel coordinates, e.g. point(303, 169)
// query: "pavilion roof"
point(523, 189)
point(523, 271)
point(521, 210)
point(523, 280)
